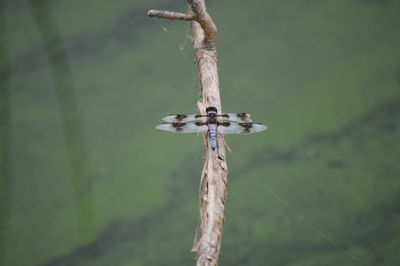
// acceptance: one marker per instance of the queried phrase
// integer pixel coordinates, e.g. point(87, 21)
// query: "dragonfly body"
point(212, 123)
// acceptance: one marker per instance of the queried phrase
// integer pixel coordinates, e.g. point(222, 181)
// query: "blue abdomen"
point(213, 137)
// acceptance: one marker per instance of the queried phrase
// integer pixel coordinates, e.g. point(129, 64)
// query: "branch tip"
point(169, 15)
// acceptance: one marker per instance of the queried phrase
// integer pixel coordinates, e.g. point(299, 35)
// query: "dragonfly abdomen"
point(213, 136)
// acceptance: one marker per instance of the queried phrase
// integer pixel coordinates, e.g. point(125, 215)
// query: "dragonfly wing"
point(192, 127)
point(236, 117)
point(240, 128)
point(180, 118)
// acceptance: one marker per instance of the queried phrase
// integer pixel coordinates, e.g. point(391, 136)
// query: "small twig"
point(214, 175)
point(169, 15)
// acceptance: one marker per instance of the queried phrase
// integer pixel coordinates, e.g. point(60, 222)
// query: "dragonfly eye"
point(211, 109)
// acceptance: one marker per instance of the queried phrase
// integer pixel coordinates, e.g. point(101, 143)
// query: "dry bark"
point(214, 175)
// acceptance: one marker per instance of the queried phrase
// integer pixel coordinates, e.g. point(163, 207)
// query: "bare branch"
point(169, 15)
point(215, 171)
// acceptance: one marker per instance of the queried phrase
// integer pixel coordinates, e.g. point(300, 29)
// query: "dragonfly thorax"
point(212, 115)
point(212, 120)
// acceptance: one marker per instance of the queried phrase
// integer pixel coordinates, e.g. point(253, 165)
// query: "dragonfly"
point(213, 123)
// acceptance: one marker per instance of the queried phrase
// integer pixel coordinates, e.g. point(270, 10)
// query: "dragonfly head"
point(211, 109)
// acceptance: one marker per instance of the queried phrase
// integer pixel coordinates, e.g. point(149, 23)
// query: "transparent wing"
point(180, 118)
point(193, 127)
point(240, 128)
point(236, 117)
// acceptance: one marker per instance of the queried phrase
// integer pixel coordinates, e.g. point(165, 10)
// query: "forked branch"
point(214, 176)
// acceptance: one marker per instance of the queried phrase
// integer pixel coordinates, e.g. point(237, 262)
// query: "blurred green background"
point(87, 180)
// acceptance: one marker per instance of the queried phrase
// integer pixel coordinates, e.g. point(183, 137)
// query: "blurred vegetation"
point(85, 178)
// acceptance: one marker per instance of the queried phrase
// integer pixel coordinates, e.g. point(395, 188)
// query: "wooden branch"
point(215, 171)
point(214, 175)
point(205, 21)
point(169, 15)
